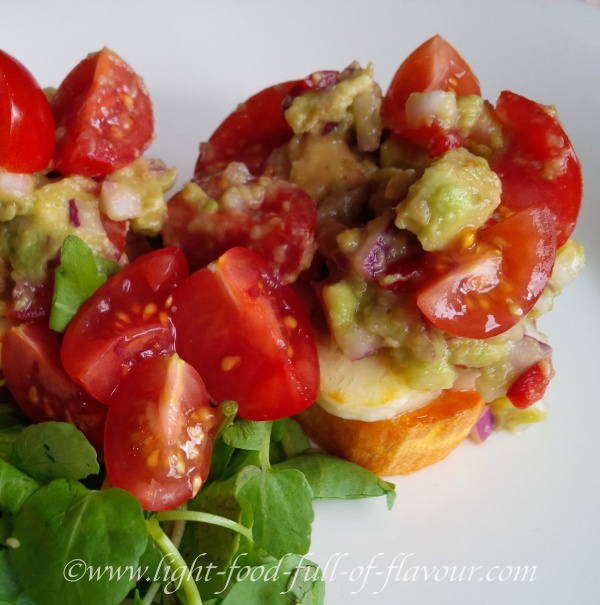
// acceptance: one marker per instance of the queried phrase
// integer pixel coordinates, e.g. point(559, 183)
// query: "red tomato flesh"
point(529, 387)
point(125, 320)
point(248, 336)
point(486, 289)
point(282, 214)
point(103, 116)
point(159, 433)
point(249, 134)
point(537, 166)
point(43, 390)
point(435, 65)
point(26, 123)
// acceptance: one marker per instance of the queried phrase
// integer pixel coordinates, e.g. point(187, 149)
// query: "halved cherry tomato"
point(31, 300)
point(26, 123)
point(256, 127)
point(43, 390)
point(159, 433)
point(248, 336)
point(529, 386)
point(103, 116)
point(274, 218)
point(125, 320)
point(249, 134)
point(486, 289)
point(537, 165)
point(435, 65)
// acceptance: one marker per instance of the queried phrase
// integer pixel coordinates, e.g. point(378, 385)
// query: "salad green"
point(67, 538)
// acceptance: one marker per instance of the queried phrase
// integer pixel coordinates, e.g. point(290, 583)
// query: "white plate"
point(520, 511)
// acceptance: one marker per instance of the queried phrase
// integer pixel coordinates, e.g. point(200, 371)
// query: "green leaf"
point(54, 450)
point(334, 478)
point(204, 544)
point(77, 277)
point(78, 546)
point(11, 415)
point(15, 487)
point(291, 579)
point(247, 435)
point(281, 501)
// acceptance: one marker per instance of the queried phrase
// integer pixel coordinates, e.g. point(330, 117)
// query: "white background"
point(529, 500)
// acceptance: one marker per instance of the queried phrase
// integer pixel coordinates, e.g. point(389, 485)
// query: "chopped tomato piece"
point(159, 433)
point(537, 165)
point(39, 384)
point(433, 66)
point(487, 288)
point(274, 218)
point(26, 123)
point(103, 116)
point(529, 386)
point(125, 320)
point(248, 336)
point(249, 134)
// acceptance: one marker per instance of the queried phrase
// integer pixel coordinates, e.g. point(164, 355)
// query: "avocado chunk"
point(458, 191)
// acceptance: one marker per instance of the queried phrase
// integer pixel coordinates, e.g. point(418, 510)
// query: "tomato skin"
point(248, 336)
point(486, 289)
point(26, 122)
point(538, 165)
point(435, 65)
point(43, 390)
point(529, 386)
point(159, 433)
point(256, 127)
point(249, 134)
point(283, 214)
point(125, 320)
point(103, 114)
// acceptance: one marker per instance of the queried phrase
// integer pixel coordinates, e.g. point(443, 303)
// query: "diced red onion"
point(74, 213)
point(120, 202)
point(15, 184)
point(528, 351)
point(484, 427)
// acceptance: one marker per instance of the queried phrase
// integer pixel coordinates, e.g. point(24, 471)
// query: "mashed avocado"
point(458, 191)
point(36, 223)
point(382, 204)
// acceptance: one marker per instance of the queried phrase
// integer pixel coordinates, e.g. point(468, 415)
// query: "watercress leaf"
point(78, 546)
point(291, 579)
point(10, 589)
point(11, 415)
point(7, 437)
point(281, 501)
point(220, 458)
point(76, 279)
point(206, 547)
point(246, 434)
point(334, 478)
point(292, 438)
point(53, 450)
point(15, 487)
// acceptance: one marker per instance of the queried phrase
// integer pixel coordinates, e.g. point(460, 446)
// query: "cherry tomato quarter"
point(487, 288)
point(249, 134)
point(125, 320)
point(274, 218)
point(159, 433)
point(248, 337)
point(39, 384)
point(103, 114)
point(26, 123)
point(530, 386)
point(537, 164)
point(433, 66)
